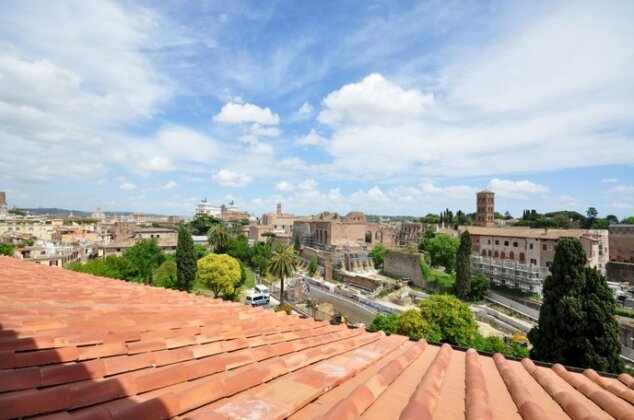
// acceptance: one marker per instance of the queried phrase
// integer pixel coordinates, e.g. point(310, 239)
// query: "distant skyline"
point(401, 108)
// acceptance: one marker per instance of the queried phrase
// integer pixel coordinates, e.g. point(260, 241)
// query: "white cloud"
point(229, 178)
point(255, 146)
point(309, 184)
point(235, 113)
point(311, 139)
point(609, 180)
point(371, 101)
point(169, 185)
point(305, 110)
point(258, 130)
point(622, 190)
point(284, 186)
point(515, 189)
point(127, 186)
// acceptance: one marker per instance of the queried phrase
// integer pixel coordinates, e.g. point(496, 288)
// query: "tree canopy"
point(378, 256)
point(283, 263)
point(145, 255)
point(576, 321)
point(185, 260)
point(6, 249)
point(218, 238)
point(463, 266)
point(202, 223)
point(442, 251)
point(220, 273)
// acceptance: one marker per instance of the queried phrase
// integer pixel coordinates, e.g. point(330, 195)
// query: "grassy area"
point(445, 281)
point(250, 281)
point(624, 312)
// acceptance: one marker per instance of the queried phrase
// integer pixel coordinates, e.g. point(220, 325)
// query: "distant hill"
point(54, 211)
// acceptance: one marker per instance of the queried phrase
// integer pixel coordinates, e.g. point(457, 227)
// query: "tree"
point(261, 257)
point(412, 324)
point(296, 244)
point(612, 219)
point(452, 319)
point(430, 218)
point(312, 266)
point(628, 220)
point(386, 323)
point(200, 250)
point(479, 287)
point(166, 275)
point(6, 249)
point(218, 238)
point(283, 263)
point(185, 260)
point(576, 321)
point(202, 223)
point(220, 273)
point(269, 237)
point(463, 266)
point(591, 215)
point(239, 248)
point(442, 251)
point(146, 255)
point(378, 256)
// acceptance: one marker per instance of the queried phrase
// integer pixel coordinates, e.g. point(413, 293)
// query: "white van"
point(262, 290)
point(257, 299)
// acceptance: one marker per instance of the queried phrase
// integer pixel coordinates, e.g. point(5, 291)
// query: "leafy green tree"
point(283, 263)
point(452, 319)
point(463, 266)
point(412, 324)
point(185, 260)
point(442, 251)
point(386, 323)
point(612, 219)
point(428, 235)
point(378, 256)
point(628, 220)
point(312, 266)
point(166, 275)
point(270, 236)
point(200, 250)
point(261, 257)
point(146, 255)
point(220, 273)
point(430, 218)
point(239, 248)
point(480, 285)
point(202, 223)
point(123, 266)
point(218, 238)
point(494, 344)
point(6, 249)
point(576, 321)
point(296, 244)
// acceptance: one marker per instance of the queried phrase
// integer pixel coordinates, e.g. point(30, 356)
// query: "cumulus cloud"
point(127, 186)
point(371, 101)
point(169, 185)
point(258, 130)
point(284, 186)
point(253, 145)
point(311, 139)
point(229, 178)
point(515, 189)
point(305, 110)
point(235, 113)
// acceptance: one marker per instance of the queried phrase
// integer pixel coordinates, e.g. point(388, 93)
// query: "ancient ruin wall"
point(400, 264)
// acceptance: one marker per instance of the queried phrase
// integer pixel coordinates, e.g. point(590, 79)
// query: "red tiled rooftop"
point(78, 346)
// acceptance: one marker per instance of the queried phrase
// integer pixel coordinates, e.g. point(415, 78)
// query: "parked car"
point(263, 290)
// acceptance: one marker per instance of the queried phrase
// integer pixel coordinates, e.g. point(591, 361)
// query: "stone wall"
point(620, 272)
point(360, 281)
point(400, 264)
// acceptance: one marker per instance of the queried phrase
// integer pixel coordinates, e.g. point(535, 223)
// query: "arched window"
point(512, 255)
point(484, 253)
point(489, 252)
point(496, 255)
point(522, 257)
point(503, 255)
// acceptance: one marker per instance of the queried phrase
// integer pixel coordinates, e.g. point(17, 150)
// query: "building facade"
point(521, 257)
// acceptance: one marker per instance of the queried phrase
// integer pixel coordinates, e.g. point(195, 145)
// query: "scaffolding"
point(510, 273)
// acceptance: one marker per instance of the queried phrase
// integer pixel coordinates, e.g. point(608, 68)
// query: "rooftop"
point(527, 232)
point(79, 346)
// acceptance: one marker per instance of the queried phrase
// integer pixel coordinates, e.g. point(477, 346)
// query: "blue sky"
point(385, 107)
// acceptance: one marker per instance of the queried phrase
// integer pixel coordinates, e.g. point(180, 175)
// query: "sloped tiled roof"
point(77, 346)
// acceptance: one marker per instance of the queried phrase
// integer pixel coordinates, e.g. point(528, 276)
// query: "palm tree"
point(218, 237)
point(283, 263)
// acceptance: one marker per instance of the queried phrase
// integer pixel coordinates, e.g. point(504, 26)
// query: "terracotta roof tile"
point(78, 346)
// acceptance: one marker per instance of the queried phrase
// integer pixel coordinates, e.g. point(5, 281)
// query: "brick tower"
point(485, 208)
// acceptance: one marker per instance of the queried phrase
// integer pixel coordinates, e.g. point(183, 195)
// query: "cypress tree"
point(463, 266)
point(185, 260)
point(576, 321)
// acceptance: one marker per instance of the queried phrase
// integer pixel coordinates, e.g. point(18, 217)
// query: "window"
point(503, 255)
point(488, 242)
point(515, 244)
point(548, 264)
point(497, 242)
point(506, 243)
point(530, 246)
point(545, 247)
point(533, 261)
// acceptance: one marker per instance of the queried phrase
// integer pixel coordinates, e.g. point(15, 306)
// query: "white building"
point(205, 207)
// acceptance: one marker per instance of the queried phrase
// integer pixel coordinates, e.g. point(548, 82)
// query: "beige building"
point(621, 265)
point(23, 228)
point(279, 223)
point(168, 245)
point(520, 257)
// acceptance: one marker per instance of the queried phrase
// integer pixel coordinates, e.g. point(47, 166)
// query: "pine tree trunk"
point(282, 291)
